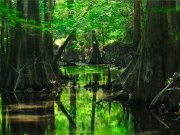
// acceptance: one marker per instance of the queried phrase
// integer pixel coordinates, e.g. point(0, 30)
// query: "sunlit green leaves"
point(108, 18)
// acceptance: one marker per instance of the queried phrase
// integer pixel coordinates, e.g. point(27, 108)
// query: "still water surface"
point(73, 110)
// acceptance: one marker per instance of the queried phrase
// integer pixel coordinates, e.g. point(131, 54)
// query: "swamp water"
point(73, 110)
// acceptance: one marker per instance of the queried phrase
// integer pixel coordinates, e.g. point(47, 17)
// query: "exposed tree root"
point(169, 96)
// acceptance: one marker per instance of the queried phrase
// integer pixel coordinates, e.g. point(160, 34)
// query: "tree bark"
point(155, 59)
point(26, 66)
point(48, 38)
point(178, 29)
point(137, 22)
point(2, 45)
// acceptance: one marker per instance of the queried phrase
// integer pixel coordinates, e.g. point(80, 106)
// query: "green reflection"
point(85, 73)
point(115, 122)
point(70, 111)
point(104, 119)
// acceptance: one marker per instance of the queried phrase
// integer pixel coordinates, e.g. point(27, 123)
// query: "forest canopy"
point(111, 19)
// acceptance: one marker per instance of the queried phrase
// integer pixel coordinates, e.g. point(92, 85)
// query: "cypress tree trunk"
point(178, 29)
point(95, 54)
point(155, 60)
point(2, 45)
point(48, 38)
point(137, 22)
point(37, 76)
point(52, 69)
point(25, 63)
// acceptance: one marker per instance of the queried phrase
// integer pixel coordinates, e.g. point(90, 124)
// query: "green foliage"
point(13, 17)
point(110, 19)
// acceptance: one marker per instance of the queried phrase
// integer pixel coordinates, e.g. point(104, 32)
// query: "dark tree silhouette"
point(95, 54)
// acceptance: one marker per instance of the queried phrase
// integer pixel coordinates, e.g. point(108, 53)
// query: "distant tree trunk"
point(156, 56)
point(137, 22)
point(95, 54)
point(71, 54)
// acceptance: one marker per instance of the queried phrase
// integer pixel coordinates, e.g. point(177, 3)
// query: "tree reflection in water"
point(27, 114)
point(73, 110)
